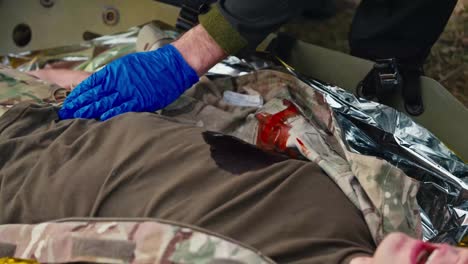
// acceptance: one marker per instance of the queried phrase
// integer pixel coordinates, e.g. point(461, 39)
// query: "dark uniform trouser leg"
point(405, 29)
point(398, 28)
point(401, 29)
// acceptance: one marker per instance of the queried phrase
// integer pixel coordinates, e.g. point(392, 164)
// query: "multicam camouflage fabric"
point(18, 87)
point(121, 241)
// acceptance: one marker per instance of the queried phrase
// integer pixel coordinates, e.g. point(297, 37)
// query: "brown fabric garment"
point(145, 165)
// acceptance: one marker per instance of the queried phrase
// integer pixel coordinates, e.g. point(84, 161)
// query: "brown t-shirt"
point(145, 165)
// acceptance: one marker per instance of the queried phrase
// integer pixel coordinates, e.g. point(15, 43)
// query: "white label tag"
point(245, 100)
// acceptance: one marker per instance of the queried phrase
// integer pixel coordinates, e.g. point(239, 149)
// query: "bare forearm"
point(199, 50)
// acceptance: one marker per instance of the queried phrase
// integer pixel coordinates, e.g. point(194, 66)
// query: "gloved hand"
point(138, 82)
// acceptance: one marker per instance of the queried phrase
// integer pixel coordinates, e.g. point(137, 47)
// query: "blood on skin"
point(273, 129)
point(421, 248)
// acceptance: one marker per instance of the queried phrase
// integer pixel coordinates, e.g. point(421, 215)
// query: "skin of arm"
point(199, 49)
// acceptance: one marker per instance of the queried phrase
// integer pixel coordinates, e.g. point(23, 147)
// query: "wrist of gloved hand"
point(139, 82)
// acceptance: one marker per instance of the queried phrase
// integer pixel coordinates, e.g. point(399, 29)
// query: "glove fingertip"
point(77, 114)
point(83, 113)
point(108, 115)
point(77, 91)
point(64, 114)
point(68, 104)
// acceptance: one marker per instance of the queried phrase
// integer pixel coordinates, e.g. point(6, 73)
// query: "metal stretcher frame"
point(57, 23)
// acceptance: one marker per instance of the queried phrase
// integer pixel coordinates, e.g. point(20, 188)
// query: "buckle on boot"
point(383, 80)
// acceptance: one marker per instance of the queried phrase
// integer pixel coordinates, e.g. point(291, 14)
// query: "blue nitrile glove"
point(139, 82)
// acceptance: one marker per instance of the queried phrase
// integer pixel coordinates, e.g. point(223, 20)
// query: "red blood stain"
point(273, 130)
point(300, 142)
point(421, 248)
point(303, 147)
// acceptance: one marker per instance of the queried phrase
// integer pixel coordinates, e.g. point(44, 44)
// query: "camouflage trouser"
point(122, 241)
point(276, 112)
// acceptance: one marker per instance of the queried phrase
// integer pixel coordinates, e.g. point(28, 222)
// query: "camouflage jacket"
point(122, 241)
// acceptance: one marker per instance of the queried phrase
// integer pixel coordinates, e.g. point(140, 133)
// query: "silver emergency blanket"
point(375, 129)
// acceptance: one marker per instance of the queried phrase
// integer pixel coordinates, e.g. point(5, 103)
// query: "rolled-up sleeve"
point(237, 24)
